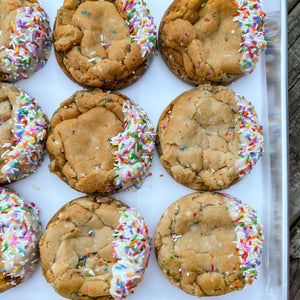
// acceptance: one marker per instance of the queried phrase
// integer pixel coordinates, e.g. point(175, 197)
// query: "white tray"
point(265, 188)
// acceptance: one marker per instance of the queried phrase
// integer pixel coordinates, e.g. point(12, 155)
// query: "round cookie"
point(25, 39)
point(23, 129)
point(106, 44)
point(19, 237)
point(100, 143)
point(95, 248)
point(205, 41)
point(209, 137)
point(209, 244)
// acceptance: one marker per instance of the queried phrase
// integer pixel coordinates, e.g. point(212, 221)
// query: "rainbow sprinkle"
point(30, 44)
point(19, 236)
point(135, 148)
point(141, 26)
point(251, 18)
point(249, 237)
point(251, 137)
point(29, 136)
point(132, 250)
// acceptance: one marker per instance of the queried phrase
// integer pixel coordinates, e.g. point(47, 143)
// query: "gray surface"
point(294, 145)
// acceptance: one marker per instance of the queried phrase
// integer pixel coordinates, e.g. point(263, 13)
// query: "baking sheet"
point(264, 188)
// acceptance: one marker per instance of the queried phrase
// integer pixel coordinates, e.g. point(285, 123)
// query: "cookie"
point(19, 237)
point(95, 248)
point(25, 39)
point(106, 44)
point(209, 137)
point(209, 244)
point(23, 129)
point(100, 143)
point(212, 41)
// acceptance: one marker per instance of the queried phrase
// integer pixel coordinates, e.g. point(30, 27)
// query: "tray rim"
point(284, 149)
point(283, 165)
point(282, 168)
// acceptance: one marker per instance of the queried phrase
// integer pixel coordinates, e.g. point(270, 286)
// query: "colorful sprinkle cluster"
point(251, 137)
point(30, 43)
point(19, 235)
point(132, 250)
point(29, 137)
point(135, 148)
point(141, 26)
point(249, 237)
point(251, 18)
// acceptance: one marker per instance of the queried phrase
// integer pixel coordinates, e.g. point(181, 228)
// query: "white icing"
point(29, 134)
point(132, 250)
point(249, 237)
point(30, 43)
point(251, 138)
point(135, 148)
point(251, 19)
point(141, 24)
point(20, 233)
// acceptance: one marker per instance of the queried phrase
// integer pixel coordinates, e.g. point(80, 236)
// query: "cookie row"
point(109, 44)
point(208, 138)
point(206, 244)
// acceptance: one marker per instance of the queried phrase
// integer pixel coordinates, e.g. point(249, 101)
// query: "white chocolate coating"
point(135, 148)
point(29, 130)
point(30, 43)
point(251, 137)
point(249, 237)
point(141, 25)
point(251, 18)
point(132, 250)
point(20, 234)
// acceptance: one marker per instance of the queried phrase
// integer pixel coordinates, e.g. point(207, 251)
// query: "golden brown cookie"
point(23, 129)
point(100, 142)
point(25, 39)
point(104, 44)
point(19, 238)
point(212, 40)
point(95, 248)
point(209, 244)
point(209, 137)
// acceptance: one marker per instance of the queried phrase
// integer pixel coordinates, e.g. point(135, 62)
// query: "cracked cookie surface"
point(78, 249)
point(209, 137)
point(100, 142)
point(197, 244)
point(211, 41)
point(105, 44)
point(23, 129)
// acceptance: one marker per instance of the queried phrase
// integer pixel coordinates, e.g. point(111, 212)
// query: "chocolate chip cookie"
point(106, 44)
point(209, 137)
point(95, 248)
point(212, 40)
point(19, 238)
point(100, 142)
point(25, 39)
point(23, 129)
point(209, 244)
